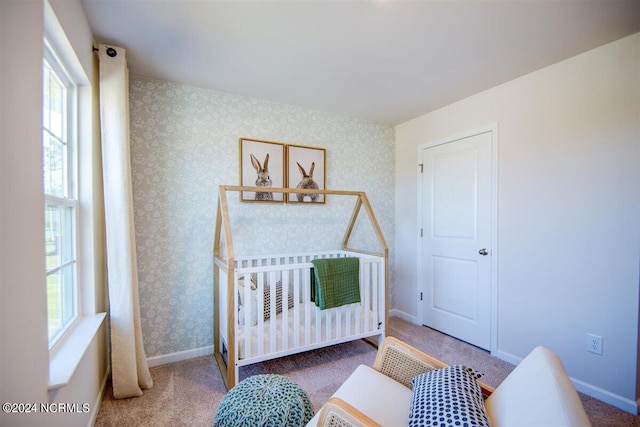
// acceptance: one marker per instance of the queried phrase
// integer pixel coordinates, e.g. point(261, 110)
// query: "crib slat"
point(272, 311)
point(307, 307)
point(285, 311)
point(362, 322)
point(376, 296)
point(358, 313)
point(296, 313)
point(224, 304)
point(364, 278)
point(347, 319)
point(260, 328)
point(248, 308)
point(373, 303)
point(319, 315)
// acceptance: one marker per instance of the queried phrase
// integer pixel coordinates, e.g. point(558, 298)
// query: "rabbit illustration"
point(263, 179)
point(307, 183)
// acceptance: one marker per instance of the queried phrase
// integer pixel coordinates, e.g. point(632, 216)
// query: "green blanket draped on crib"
point(335, 282)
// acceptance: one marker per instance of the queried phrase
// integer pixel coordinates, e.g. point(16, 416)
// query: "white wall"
point(24, 356)
point(569, 211)
point(23, 333)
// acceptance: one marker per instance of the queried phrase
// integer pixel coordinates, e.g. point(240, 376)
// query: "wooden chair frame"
point(398, 361)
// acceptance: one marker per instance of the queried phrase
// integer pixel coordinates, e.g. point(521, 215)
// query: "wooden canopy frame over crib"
point(226, 262)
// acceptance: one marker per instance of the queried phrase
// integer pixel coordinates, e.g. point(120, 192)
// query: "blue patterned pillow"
point(447, 397)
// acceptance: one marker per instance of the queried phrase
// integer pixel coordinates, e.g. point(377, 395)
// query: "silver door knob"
point(483, 252)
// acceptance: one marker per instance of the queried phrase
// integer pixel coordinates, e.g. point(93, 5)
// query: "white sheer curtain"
point(129, 369)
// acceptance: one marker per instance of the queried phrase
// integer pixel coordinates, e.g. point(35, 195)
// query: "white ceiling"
point(384, 61)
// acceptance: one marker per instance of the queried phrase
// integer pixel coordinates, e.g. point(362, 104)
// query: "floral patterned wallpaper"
point(184, 144)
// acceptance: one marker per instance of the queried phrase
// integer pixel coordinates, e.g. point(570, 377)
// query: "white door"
point(456, 238)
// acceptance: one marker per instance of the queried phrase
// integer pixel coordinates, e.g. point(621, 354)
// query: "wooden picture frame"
point(306, 168)
point(262, 164)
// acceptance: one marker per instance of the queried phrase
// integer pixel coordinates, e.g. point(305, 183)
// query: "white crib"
point(262, 304)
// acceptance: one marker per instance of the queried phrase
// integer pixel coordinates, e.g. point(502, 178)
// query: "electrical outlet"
point(594, 344)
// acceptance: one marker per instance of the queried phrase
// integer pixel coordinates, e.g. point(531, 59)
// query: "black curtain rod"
point(110, 51)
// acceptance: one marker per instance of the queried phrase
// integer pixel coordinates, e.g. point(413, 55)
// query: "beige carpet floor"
point(188, 393)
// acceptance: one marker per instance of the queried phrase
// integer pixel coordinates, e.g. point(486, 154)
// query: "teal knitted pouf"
point(265, 401)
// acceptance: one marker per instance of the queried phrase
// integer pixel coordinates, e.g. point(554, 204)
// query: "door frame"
point(493, 129)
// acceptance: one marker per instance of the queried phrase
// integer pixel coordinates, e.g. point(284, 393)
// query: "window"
point(60, 194)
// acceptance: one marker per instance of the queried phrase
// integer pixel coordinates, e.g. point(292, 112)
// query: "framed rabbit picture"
point(262, 165)
point(306, 169)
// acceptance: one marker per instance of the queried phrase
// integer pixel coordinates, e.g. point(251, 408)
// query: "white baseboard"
point(404, 316)
point(179, 356)
point(507, 357)
point(98, 401)
point(623, 403)
point(612, 399)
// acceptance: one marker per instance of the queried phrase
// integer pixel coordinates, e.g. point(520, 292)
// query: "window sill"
point(66, 358)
